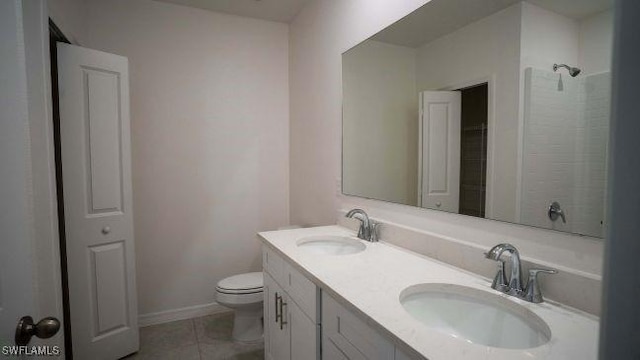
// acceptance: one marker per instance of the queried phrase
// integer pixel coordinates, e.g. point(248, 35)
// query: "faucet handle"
point(532, 292)
point(375, 231)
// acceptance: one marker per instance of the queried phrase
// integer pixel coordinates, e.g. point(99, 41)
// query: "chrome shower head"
point(573, 71)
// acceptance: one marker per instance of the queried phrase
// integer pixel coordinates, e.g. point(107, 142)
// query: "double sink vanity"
point(463, 116)
point(332, 295)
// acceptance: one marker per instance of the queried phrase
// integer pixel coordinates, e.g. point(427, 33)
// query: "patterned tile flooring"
point(205, 338)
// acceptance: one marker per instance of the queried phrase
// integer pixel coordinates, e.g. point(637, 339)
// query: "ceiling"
point(274, 10)
point(440, 17)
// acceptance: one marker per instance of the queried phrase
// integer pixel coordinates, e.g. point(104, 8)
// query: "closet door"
point(440, 149)
point(96, 172)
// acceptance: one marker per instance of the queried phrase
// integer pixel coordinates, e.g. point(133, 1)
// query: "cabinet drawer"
point(350, 335)
point(273, 264)
point(302, 291)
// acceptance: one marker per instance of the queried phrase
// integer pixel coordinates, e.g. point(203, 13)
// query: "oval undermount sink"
point(475, 316)
point(331, 245)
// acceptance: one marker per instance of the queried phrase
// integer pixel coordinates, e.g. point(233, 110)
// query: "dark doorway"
point(55, 36)
point(473, 150)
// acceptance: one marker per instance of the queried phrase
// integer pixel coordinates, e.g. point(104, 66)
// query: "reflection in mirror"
point(495, 109)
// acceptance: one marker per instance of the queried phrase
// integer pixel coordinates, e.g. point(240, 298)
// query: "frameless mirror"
point(491, 108)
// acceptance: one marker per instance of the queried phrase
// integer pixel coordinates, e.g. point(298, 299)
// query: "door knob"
point(44, 329)
point(106, 230)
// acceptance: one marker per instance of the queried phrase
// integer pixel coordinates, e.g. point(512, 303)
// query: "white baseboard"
point(189, 312)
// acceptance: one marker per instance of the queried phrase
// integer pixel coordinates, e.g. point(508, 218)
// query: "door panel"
point(277, 345)
point(102, 104)
point(440, 139)
point(352, 337)
point(110, 292)
point(96, 172)
point(303, 334)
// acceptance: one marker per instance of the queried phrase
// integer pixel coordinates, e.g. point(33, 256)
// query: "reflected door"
point(96, 173)
point(440, 116)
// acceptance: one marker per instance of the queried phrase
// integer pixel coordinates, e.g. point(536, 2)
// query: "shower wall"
point(566, 127)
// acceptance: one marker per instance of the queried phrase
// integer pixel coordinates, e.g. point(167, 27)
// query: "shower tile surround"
point(378, 276)
point(565, 146)
point(577, 284)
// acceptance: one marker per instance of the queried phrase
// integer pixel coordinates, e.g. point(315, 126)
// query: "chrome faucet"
point(513, 286)
point(368, 229)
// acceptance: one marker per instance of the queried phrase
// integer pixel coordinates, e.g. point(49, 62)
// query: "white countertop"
point(371, 282)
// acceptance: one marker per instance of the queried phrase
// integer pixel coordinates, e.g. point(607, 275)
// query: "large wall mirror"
point(491, 108)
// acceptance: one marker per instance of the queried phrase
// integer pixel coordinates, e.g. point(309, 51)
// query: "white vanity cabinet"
point(291, 316)
point(296, 313)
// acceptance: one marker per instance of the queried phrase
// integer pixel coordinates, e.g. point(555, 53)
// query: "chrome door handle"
point(555, 211)
point(44, 329)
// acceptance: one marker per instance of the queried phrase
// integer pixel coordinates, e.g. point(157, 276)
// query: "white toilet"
point(243, 293)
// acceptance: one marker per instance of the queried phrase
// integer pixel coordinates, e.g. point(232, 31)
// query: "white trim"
point(184, 313)
point(44, 213)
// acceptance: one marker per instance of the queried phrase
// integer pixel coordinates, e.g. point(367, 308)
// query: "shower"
point(573, 71)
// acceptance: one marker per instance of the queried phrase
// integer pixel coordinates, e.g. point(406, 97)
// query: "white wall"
point(596, 42)
point(380, 122)
point(486, 49)
point(209, 118)
point(548, 38)
point(319, 34)
point(69, 16)
point(620, 324)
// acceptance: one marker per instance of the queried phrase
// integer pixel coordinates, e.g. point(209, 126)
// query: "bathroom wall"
point(596, 42)
point(318, 36)
point(68, 15)
point(547, 38)
point(381, 107)
point(494, 44)
point(209, 123)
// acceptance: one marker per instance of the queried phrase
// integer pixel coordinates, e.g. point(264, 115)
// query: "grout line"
point(195, 332)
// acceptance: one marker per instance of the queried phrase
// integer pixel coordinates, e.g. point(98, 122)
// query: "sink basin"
point(331, 245)
point(475, 316)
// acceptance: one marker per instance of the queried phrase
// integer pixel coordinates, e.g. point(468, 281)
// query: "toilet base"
point(248, 324)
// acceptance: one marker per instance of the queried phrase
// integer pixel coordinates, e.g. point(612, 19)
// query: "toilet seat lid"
point(248, 281)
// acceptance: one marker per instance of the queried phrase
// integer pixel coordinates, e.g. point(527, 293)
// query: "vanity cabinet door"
point(344, 332)
point(277, 334)
point(304, 334)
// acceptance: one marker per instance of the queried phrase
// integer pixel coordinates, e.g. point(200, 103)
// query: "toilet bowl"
point(243, 293)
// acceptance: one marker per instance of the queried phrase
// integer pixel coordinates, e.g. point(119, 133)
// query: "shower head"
point(573, 71)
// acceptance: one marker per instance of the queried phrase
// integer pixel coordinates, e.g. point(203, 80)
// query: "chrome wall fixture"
point(555, 211)
point(573, 71)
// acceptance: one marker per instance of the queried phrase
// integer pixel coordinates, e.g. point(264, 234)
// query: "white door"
point(440, 149)
point(96, 171)
point(16, 262)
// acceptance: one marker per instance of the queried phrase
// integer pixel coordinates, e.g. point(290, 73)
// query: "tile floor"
point(205, 338)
